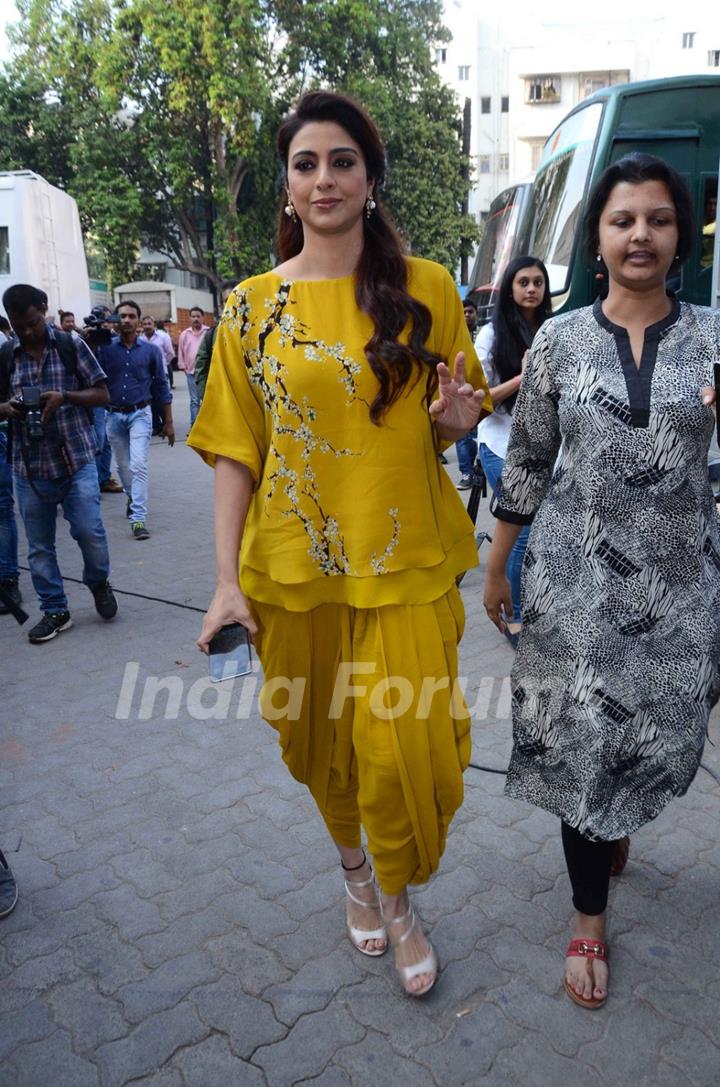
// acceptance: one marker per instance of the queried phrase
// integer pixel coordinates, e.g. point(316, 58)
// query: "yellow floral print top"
point(344, 511)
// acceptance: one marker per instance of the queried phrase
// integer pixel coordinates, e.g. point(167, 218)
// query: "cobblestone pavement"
point(180, 920)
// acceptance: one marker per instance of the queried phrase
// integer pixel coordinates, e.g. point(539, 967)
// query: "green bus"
point(498, 246)
point(676, 119)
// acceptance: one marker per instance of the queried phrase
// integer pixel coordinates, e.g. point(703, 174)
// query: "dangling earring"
point(677, 256)
point(598, 258)
point(290, 209)
point(370, 206)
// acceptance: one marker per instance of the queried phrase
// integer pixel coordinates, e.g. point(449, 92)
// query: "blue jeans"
point(130, 440)
point(103, 457)
point(492, 467)
point(467, 449)
point(81, 510)
point(8, 527)
point(194, 397)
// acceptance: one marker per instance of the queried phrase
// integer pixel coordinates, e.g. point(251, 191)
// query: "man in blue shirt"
point(136, 377)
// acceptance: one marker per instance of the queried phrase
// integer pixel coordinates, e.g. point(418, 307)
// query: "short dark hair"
point(469, 304)
point(65, 313)
point(128, 302)
point(197, 309)
point(21, 296)
point(636, 168)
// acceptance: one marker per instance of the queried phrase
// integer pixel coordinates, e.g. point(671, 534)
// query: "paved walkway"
point(180, 920)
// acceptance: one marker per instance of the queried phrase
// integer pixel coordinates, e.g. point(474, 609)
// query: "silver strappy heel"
point(360, 935)
point(429, 964)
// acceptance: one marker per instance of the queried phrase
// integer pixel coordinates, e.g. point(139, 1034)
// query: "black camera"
point(29, 405)
point(95, 322)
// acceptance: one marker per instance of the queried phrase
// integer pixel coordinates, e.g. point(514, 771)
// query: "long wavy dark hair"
point(513, 335)
point(381, 274)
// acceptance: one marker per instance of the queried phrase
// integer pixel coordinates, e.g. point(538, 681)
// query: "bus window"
point(497, 246)
point(557, 197)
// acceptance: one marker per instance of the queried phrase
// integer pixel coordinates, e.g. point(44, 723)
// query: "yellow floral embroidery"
point(294, 420)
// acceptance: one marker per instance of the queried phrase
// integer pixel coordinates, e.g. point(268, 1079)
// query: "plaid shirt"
point(69, 436)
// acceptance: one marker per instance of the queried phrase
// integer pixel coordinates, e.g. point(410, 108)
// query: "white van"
point(41, 242)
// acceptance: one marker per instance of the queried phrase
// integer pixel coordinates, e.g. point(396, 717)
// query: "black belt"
point(126, 409)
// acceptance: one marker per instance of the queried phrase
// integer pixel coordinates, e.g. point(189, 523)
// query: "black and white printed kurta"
point(617, 669)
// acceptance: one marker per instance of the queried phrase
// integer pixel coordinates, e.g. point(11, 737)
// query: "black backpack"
point(66, 350)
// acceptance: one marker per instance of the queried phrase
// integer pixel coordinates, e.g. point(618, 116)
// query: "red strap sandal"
point(589, 950)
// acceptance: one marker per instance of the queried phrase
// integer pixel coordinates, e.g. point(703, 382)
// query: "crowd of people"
point(337, 380)
point(70, 401)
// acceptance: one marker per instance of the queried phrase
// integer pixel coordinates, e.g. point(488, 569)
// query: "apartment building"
point(524, 73)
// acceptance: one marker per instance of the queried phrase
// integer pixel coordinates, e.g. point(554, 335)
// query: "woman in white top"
point(523, 304)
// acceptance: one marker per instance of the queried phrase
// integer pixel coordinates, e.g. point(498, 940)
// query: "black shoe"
point(127, 508)
point(51, 624)
point(105, 603)
point(11, 589)
point(465, 483)
point(112, 486)
point(139, 531)
point(442, 458)
point(8, 887)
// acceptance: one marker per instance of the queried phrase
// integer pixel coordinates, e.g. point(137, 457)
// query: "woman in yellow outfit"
point(327, 401)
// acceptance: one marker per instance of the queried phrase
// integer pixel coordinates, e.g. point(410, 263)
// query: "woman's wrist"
point(225, 581)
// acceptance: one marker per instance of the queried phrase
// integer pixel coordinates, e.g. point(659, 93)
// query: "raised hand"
point(458, 406)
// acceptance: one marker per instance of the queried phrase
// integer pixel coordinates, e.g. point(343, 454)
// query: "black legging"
point(588, 865)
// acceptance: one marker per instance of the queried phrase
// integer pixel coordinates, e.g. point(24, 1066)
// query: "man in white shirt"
point(188, 344)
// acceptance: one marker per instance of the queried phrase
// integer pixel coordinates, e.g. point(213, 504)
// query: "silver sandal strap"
point(358, 883)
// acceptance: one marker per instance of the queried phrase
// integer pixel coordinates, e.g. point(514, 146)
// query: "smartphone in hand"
point(229, 653)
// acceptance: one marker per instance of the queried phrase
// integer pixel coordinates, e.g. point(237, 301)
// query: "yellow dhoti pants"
point(370, 718)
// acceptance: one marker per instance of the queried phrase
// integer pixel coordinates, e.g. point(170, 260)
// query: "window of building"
point(464, 72)
point(4, 251)
point(505, 104)
point(440, 56)
point(542, 88)
point(714, 58)
point(148, 271)
point(503, 163)
point(589, 82)
point(484, 162)
point(688, 39)
point(485, 104)
point(536, 152)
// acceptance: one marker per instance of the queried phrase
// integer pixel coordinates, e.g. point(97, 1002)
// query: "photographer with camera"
point(97, 329)
point(49, 385)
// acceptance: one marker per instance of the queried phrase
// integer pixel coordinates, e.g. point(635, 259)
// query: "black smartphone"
point(229, 653)
point(716, 370)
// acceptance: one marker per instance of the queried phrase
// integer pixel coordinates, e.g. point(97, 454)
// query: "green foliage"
point(160, 118)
